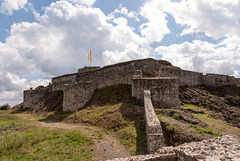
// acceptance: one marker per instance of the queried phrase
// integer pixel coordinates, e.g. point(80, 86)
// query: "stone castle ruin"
point(154, 82)
point(158, 76)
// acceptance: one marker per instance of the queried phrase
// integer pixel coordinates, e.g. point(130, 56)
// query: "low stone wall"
point(153, 126)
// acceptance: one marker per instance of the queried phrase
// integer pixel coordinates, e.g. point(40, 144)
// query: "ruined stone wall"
point(79, 91)
point(164, 90)
point(121, 73)
point(238, 80)
point(218, 80)
point(190, 78)
point(153, 126)
point(75, 96)
point(185, 77)
point(168, 71)
point(31, 97)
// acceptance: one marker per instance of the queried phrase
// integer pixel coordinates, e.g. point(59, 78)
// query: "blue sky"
point(42, 39)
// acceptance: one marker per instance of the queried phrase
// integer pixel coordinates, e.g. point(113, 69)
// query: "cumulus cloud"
point(156, 27)
point(59, 43)
point(88, 3)
point(123, 11)
point(9, 6)
point(202, 57)
point(12, 86)
point(216, 18)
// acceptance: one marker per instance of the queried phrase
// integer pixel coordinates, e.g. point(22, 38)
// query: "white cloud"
point(59, 43)
point(88, 3)
point(8, 6)
point(202, 57)
point(232, 43)
point(123, 11)
point(12, 87)
point(216, 18)
point(156, 28)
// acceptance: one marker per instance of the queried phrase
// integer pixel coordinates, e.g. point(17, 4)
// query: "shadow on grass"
point(130, 111)
point(57, 116)
point(135, 113)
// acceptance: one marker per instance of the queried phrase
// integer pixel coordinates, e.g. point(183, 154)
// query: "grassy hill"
point(112, 125)
point(21, 140)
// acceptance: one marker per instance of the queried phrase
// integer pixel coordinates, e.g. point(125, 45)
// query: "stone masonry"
point(159, 76)
point(153, 126)
point(225, 148)
point(164, 90)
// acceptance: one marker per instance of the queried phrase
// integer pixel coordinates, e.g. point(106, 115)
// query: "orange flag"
point(89, 56)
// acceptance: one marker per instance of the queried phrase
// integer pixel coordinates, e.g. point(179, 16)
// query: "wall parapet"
point(153, 126)
point(88, 69)
point(219, 80)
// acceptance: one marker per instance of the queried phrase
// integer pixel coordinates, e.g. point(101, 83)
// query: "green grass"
point(10, 123)
point(177, 115)
point(218, 125)
point(116, 118)
point(128, 136)
point(203, 131)
point(35, 143)
point(107, 116)
point(214, 125)
point(194, 107)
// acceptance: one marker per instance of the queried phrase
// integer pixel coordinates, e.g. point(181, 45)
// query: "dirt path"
point(107, 146)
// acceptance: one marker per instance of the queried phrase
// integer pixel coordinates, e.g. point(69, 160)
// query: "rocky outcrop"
point(224, 148)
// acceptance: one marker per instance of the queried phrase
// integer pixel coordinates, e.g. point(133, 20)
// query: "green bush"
point(4, 107)
point(176, 115)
